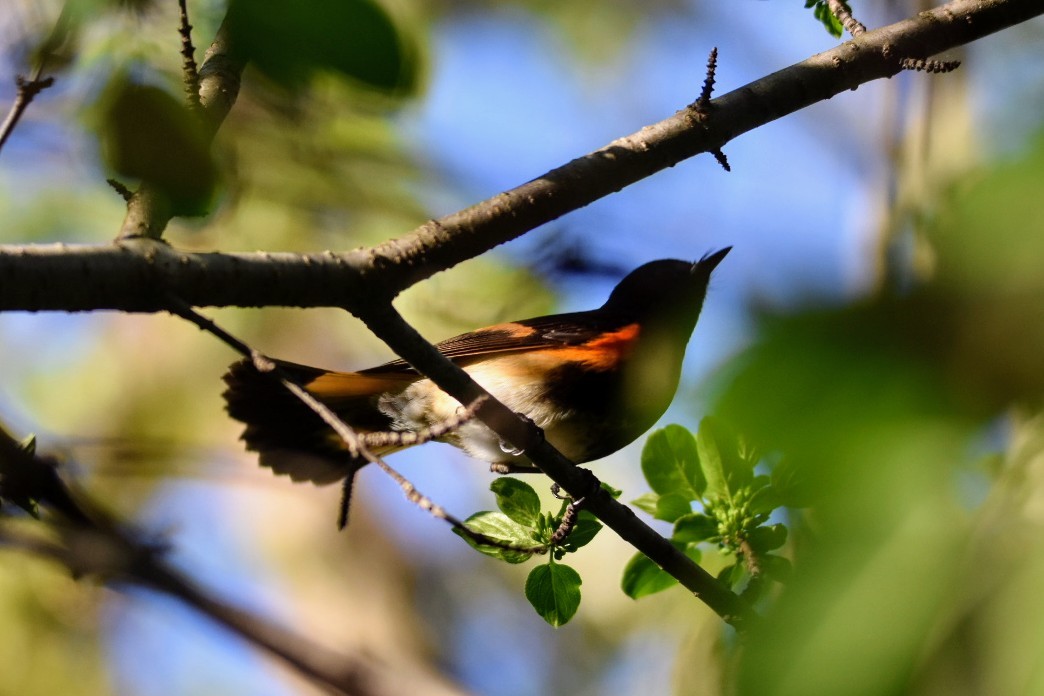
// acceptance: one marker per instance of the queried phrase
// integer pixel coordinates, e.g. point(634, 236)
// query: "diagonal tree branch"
point(58, 278)
point(402, 338)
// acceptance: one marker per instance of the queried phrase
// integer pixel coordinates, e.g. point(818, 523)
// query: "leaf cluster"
point(716, 470)
point(521, 530)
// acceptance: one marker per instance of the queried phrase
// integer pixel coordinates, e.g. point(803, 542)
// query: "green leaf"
point(671, 506)
point(694, 528)
point(642, 577)
point(711, 461)
point(499, 527)
point(582, 534)
point(765, 539)
point(671, 464)
point(726, 471)
point(147, 134)
point(764, 500)
point(732, 574)
point(517, 500)
point(646, 503)
point(827, 18)
point(554, 591)
point(290, 41)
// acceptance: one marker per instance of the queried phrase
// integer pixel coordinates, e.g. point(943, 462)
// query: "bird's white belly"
point(422, 405)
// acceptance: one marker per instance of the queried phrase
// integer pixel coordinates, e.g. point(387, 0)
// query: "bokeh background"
point(878, 320)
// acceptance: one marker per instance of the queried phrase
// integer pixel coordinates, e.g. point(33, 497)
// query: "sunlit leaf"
point(670, 463)
point(517, 500)
point(554, 591)
point(499, 527)
point(642, 577)
point(695, 528)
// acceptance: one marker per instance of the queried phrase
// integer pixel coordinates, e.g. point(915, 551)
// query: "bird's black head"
point(668, 290)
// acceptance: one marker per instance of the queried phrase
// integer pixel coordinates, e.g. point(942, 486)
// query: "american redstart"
point(593, 381)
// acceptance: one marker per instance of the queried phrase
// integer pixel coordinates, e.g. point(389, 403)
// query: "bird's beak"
point(710, 261)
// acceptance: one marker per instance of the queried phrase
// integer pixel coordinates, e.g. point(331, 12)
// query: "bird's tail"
point(291, 438)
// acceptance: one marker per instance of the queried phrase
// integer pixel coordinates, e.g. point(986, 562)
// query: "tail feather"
point(290, 437)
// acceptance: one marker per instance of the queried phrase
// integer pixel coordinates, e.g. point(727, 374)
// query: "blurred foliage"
point(290, 42)
point(147, 134)
point(902, 582)
point(51, 630)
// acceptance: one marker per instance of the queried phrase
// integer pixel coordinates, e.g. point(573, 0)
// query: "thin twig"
point(703, 102)
point(569, 520)
point(119, 187)
point(719, 157)
point(190, 72)
point(27, 91)
point(36, 83)
point(843, 12)
point(410, 438)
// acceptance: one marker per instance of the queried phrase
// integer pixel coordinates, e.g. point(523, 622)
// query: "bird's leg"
point(504, 468)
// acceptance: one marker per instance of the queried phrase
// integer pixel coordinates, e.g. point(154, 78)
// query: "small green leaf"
point(672, 506)
point(765, 539)
point(646, 503)
point(711, 460)
point(499, 527)
point(764, 500)
point(642, 577)
point(582, 534)
point(695, 528)
point(671, 464)
point(731, 575)
point(517, 500)
point(554, 591)
point(719, 450)
point(826, 18)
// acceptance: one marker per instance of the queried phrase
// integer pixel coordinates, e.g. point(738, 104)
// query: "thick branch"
point(32, 278)
point(138, 275)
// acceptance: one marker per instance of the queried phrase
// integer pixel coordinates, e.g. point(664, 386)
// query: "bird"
point(594, 381)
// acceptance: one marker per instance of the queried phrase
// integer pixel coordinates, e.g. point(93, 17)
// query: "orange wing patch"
point(332, 386)
point(606, 352)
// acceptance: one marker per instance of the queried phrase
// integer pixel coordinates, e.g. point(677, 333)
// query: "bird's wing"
point(553, 331)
